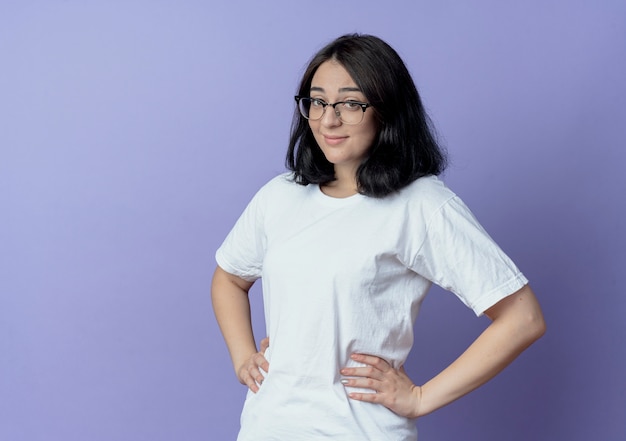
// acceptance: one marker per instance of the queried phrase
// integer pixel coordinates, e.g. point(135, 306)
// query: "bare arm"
point(517, 322)
point(231, 305)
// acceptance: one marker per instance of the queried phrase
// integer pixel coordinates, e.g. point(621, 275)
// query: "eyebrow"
point(341, 90)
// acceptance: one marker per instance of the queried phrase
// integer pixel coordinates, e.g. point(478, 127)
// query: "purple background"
point(132, 134)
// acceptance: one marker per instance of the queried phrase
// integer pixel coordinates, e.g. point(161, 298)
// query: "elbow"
point(541, 327)
point(534, 327)
point(525, 316)
point(539, 330)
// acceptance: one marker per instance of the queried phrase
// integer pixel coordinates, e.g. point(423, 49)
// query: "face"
point(344, 145)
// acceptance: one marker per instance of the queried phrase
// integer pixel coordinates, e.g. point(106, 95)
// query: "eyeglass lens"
point(349, 113)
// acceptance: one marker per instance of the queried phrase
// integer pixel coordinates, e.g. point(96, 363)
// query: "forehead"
point(331, 76)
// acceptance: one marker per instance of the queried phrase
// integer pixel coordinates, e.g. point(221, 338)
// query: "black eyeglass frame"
point(324, 104)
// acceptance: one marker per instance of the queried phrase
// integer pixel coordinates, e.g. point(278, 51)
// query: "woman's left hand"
point(393, 388)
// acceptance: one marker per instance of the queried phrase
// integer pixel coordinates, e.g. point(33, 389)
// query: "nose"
point(330, 118)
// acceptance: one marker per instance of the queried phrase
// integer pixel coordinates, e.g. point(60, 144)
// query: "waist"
point(306, 408)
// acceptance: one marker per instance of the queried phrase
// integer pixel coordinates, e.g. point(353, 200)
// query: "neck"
point(343, 186)
point(338, 192)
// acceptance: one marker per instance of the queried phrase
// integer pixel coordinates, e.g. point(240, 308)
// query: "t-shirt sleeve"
point(458, 255)
point(243, 250)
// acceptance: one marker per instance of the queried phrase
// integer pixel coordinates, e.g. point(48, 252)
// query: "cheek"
point(314, 131)
point(370, 130)
point(371, 137)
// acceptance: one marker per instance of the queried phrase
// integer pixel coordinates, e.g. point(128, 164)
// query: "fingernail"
point(344, 381)
point(344, 371)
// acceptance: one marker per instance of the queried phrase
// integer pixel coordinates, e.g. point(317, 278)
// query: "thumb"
point(265, 343)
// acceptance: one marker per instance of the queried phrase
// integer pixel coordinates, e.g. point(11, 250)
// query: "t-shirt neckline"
point(330, 200)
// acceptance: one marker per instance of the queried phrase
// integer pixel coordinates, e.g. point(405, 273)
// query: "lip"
point(333, 139)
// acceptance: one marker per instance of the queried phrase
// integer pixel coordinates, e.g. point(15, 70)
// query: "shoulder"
point(278, 192)
point(418, 204)
point(428, 193)
point(281, 181)
point(281, 184)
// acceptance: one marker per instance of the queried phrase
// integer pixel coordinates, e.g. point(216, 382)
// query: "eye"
point(351, 105)
point(316, 102)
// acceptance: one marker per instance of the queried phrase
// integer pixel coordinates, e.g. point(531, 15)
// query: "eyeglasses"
point(349, 112)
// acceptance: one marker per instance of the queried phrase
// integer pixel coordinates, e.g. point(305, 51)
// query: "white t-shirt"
point(348, 275)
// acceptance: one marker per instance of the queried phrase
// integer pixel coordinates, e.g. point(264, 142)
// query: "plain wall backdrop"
point(133, 133)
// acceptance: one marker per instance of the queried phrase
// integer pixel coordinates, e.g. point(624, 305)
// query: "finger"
point(265, 343)
point(261, 361)
point(248, 380)
point(369, 398)
point(372, 360)
point(363, 383)
point(251, 369)
point(366, 372)
point(252, 385)
point(256, 374)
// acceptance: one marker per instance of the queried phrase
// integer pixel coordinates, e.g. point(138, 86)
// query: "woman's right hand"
point(249, 373)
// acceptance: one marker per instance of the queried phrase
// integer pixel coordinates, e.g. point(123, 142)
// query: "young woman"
point(347, 244)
